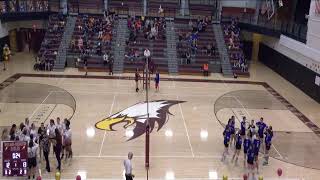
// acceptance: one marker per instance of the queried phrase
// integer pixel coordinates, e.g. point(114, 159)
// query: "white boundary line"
point(185, 126)
point(40, 105)
point(105, 132)
point(164, 157)
point(194, 178)
point(129, 93)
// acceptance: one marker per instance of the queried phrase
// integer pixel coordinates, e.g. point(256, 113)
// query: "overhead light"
point(90, 132)
point(213, 175)
point(169, 175)
point(129, 133)
point(204, 135)
point(168, 133)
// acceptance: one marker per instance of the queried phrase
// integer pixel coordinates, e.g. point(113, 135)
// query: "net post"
point(147, 147)
point(147, 143)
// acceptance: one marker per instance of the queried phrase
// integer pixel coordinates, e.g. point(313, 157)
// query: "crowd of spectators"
point(232, 37)
point(151, 28)
point(49, 47)
point(187, 45)
point(94, 34)
point(57, 135)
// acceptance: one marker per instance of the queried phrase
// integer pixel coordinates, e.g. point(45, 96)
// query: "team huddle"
point(251, 137)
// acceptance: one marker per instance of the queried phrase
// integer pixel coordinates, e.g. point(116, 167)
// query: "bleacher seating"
point(95, 60)
point(200, 58)
point(202, 10)
point(91, 6)
point(157, 49)
point(50, 45)
point(237, 59)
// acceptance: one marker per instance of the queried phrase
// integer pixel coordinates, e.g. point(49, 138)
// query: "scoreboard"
point(14, 158)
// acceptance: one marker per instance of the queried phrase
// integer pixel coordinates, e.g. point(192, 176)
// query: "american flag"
point(317, 6)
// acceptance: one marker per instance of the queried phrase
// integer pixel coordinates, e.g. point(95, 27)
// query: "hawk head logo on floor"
point(136, 116)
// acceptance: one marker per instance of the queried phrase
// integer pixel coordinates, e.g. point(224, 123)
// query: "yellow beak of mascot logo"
point(108, 123)
point(137, 117)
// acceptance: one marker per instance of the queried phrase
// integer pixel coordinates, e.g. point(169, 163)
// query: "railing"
point(291, 29)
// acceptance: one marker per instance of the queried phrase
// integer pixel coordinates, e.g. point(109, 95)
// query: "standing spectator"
point(32, 158)
point(136, 78)
point(58, 148)
point(105, 59)
point(85, 65)
point(111, 67)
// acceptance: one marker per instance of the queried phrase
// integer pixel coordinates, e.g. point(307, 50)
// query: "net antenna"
point(270, 8)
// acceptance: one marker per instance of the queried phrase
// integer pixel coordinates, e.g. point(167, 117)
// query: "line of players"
point(251, 137)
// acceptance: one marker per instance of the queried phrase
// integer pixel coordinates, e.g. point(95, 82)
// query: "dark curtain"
point(303, 7)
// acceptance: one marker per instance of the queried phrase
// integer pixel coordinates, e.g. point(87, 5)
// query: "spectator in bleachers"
point(131, 55)
point(73, 44)
point(105, 59)
point(80, 43)
point(111, 66)
point(188, 57)
point(99, 49)
point(205, 70)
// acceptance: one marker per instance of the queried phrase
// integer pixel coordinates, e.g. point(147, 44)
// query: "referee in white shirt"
point(128, 167)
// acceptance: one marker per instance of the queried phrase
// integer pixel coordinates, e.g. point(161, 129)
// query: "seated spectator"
point(209, 49)
point(205, 70)
point(106, 39)
point(131, 55)
point(188, 57)
point(100, 34)
point(213, 49)
point(80, 43)
point(73, 44)
point(99, 49)
point(105, 59)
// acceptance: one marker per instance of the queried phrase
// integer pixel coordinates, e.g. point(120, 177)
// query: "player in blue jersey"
point(246, 145)
point(256, 148)
point(232, 129)
point(238, 147)
point(226, 141)
point(243, 127)
point(261, 128)
point(157, 81)
point(250, 161)
point(268, 140)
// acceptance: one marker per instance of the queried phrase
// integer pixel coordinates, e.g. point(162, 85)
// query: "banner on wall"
point(317, 6)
